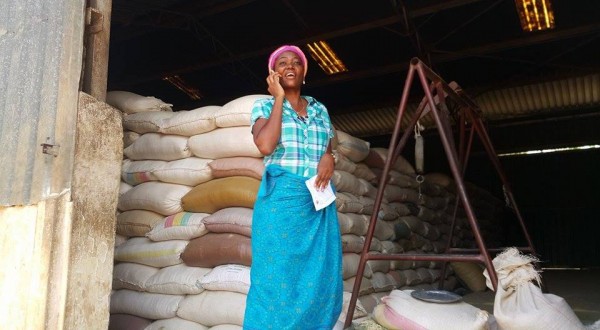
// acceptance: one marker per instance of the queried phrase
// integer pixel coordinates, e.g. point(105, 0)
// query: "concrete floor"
point(579, 288)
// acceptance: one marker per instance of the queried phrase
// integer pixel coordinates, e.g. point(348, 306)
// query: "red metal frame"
point(469, 113)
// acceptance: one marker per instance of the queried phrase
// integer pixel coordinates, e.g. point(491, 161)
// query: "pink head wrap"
point(288, 48)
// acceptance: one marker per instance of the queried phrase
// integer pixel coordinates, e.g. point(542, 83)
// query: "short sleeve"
point(261, 109)
point(326, 121)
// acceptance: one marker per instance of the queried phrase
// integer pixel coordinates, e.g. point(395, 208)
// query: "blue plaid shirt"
point(301, 144)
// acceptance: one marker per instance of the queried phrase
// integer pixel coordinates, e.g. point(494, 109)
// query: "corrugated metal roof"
point(549, 97)
point(40, 49)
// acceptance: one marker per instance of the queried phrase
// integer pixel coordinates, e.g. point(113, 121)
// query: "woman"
point(296, 274)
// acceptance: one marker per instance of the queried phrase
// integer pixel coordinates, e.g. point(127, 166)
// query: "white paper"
point(323, 198)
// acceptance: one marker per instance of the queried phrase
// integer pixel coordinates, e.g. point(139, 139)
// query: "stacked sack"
point(189, 183)
point(183, 251)
point(399, 227)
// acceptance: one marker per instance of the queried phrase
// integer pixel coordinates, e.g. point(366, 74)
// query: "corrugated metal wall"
point(40, 64)
point(554, 97)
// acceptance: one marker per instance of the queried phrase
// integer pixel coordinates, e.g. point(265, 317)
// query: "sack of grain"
point(144, 304)
point(352, 147)
point(182, 225)
point(129, 137)
point(134, 172)
point(237, 166)
point(352, 223)
point(519, 303)
point(237, 220)
point(190, 122)
point(129, 102)
point(213, 250)
point(214, 307)
point(350, 263)
point(190, 171)
point(217, 194)
point(126, 321)
point(378, 156)
point(237, 112)
point(224, 142)
point(174, 323)
point(400, 310)
point(137, 222)
point(159, 197)
point(132, 276)
point(156, 146)
point(143, 251)
point(230, 277)
point(145, 122)
point(177, 279)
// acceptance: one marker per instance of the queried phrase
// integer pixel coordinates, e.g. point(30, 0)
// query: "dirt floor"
point(580, 288)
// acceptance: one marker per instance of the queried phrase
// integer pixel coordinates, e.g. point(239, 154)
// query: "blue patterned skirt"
point(296, 273)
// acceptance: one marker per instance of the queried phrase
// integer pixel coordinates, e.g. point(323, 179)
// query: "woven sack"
point(224, 142)
point(519, 303)
point(191, 122)
point(217, 194)
point(231, 277)
point(237, 220)
point(214, 307)
point(158, 146)
point(237, 166)
point(174, 323)
point(129, 102)
point(237, 112)
point(144, 304)
point(182, 226)
point(176, 280)
point(213, 250)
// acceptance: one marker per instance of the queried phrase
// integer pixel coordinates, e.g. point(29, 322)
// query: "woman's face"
point(290, 67)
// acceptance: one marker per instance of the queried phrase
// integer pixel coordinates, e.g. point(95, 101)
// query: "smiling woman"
point(296, 250)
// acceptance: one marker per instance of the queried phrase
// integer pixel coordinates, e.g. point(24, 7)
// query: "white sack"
point(519, 303)
point(237, 112)
point(224, 142)
point(191, 122)
point(129, 102)
point(143, 304)
point(158, 146)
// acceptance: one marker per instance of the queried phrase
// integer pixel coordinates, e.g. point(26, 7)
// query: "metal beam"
point(419, 11)
point(169, 18)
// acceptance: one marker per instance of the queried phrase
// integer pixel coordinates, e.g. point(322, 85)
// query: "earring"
point(303, 82)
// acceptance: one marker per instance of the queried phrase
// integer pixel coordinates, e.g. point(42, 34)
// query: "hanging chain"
point(420, 179)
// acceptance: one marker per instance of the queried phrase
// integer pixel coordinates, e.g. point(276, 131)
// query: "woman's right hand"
point(275, 87)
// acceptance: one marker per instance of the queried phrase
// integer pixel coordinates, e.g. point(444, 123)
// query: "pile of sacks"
point(189, 182)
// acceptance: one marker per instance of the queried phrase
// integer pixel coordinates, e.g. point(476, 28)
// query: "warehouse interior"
point(538, 92)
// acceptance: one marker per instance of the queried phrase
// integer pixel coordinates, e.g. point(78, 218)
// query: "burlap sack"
point(237, 220)
point(214, 307)
point(217, 194)
point(126, 321)
point(237, 166)
point(519, 303)
point(377, 157)
point(129, 102)
point(174, 323)
point(213, 250)
point(143, 304)
point(352, 147)
point(189, 123)
point(401, 311)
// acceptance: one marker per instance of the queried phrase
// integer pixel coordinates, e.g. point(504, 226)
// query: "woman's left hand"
point(324, 171)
